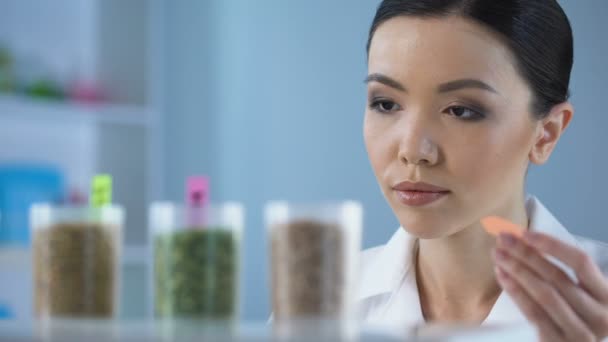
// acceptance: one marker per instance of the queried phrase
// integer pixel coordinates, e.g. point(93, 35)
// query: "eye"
point(384, 106)
point(465, 113)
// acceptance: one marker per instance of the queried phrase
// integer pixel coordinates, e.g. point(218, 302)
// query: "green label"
point(101, 191)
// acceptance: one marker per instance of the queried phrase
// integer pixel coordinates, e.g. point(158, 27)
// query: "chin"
point(424, 233)
point(426, 225)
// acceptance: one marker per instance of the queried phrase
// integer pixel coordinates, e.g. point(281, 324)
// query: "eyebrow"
point(387, 81)
point(442, 88)
point(465, 83)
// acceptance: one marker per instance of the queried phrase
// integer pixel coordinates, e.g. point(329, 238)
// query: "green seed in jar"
point(196, 273)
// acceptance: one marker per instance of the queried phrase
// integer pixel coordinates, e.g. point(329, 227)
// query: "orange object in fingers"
point(495, 225)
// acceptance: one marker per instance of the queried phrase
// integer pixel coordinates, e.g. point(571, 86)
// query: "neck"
point(455, 273)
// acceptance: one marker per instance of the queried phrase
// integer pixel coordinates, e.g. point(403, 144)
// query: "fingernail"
point(507, 239)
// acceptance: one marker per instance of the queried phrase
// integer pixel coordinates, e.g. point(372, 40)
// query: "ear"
point(549, 130)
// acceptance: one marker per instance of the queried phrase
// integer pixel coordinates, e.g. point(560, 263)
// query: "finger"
point(546, 296)
point(589, 275)
point(589, 309)
point(533, 312)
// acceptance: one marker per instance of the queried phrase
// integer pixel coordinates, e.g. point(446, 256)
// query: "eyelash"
point(476, 116)
point(376, 105)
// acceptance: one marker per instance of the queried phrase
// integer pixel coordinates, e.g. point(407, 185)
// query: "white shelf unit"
point(42, 110)
point(119, 43)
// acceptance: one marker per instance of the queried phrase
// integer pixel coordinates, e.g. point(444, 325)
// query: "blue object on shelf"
point(21, 185)
point(5, 312)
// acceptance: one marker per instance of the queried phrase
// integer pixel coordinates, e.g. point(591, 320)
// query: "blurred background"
point(266, 97)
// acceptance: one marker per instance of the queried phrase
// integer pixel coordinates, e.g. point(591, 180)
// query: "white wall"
point(268, 97)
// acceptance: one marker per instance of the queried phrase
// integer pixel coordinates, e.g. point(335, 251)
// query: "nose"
point(417, 145)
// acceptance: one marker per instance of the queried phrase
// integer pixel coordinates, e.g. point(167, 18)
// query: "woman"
point(462, 96)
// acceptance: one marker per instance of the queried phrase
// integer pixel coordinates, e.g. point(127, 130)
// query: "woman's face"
point(446, 107)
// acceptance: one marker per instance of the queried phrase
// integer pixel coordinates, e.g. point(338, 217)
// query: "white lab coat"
point(388, 295)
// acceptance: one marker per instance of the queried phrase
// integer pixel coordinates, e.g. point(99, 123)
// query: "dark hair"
point(537, 32)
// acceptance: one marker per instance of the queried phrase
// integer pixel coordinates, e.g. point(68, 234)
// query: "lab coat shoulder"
point(368, 255)
point(597, 250)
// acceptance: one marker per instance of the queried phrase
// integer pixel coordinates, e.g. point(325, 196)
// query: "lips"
point(419, 194)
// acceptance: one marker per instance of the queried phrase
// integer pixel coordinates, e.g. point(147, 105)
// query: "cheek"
point(377, 144)
point(495, 157)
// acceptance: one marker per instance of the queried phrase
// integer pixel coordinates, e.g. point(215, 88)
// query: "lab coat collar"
point(391, 269)
point(541, 220)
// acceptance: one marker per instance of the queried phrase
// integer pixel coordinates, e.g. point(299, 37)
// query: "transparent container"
point(196, 260)
point(314, 257)
point(76, 256)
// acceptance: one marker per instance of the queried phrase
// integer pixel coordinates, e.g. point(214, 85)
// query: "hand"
point(562, 309)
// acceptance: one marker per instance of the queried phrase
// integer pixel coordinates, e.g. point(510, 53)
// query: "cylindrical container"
point(76, 260)
point(195, 260)
point(314, 259)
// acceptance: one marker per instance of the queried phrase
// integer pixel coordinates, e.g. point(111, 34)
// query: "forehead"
point(440, 49)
